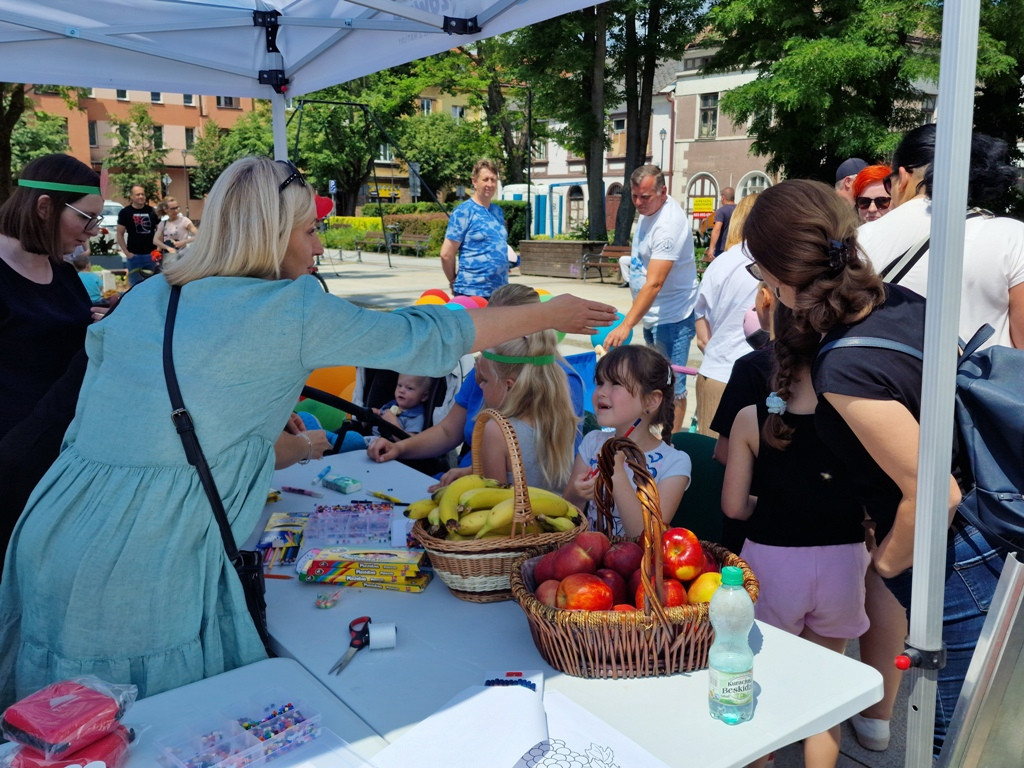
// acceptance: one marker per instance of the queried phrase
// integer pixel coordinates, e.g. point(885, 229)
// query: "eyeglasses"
point(173, 207)
point(754, 270)
point(887, 181)
point(881, 203)
point(295, 176)
point(92, 221)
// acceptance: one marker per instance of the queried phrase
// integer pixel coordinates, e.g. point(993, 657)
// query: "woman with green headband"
point(44, 309)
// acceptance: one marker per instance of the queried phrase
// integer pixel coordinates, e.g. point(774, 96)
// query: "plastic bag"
point(111, 751)
point(66, 716)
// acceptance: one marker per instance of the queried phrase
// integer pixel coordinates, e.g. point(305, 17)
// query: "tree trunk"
point(595, 154)
point(12, 106)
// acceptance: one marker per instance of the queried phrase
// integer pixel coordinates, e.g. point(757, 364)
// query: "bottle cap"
point(732, 576)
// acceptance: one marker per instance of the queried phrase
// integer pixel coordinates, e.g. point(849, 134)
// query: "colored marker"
point(629, 431)
point(321, 474)
point(301, 491)
point(384, 496)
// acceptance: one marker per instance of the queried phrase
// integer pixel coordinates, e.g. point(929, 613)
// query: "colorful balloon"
point(599, 337)
point(479, 300)
point(444, 297)
point(465, 301)
point(431, 299)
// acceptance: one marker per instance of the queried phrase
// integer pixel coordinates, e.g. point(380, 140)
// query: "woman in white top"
point(174, 232)
point(993, 278)
point(726, 292)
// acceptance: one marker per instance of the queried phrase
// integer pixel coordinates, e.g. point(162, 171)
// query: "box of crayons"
point(378, 568)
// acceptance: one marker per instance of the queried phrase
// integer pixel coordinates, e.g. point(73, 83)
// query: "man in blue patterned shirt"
point(474, 255)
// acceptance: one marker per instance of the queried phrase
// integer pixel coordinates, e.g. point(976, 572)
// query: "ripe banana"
point(449, 504)
point(471, 522)
point(557, 524)
point(434, 521)
point(549, 504)
point(483, 498)
point(419, 509)
point(500, 515)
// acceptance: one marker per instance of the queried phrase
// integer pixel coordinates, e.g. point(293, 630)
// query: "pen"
point(629, 431)
point(276, 576)
point(370, 501)
point(384, 496)
point(301, 491)
point(321, 474)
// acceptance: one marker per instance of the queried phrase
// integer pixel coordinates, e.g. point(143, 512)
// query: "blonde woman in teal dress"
point(117, 567)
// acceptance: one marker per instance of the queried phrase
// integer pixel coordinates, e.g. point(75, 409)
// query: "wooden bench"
point(375, 239)
point(417, 243)
point(607, 259)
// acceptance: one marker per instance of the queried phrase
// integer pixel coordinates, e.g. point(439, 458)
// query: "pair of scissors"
point(359, 630)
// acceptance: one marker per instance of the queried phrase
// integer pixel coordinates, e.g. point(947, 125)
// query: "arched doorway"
point(701, 202)
point(612, 200)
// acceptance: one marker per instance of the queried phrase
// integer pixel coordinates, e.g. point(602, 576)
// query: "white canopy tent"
point(244, 48)
point(269, 49)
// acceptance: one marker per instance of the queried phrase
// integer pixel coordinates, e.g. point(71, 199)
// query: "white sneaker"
point(871, 732)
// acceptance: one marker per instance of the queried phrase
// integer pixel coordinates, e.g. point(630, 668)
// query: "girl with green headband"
point(520, 379)
point(44, 311)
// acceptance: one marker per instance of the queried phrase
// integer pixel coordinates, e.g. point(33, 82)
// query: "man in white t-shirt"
point(662, 277)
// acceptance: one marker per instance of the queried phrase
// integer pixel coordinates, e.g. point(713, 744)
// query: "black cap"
point(850, 167)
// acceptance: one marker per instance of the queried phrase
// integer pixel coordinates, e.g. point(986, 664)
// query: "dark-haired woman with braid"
point(805, 533)
point(803, 240)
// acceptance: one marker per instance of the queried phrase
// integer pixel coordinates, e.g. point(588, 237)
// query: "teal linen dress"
point(117, 567)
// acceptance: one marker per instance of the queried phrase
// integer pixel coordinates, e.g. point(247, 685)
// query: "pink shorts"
point(821, 588)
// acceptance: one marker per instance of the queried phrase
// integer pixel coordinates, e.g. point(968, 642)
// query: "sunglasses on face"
point(173, 207)
point(887, 181)
point(881, 203)
point(295, 176)
point(92, 222)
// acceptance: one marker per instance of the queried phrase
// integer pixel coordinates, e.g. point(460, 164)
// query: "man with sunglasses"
point(136, 225)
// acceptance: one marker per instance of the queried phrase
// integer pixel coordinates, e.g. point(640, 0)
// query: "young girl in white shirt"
point(635, 398)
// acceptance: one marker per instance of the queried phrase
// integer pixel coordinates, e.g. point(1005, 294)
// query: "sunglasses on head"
point(881, 203)
point(295, 175)
point(754, 270)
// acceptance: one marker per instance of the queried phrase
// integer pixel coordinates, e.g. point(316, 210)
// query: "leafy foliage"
point(136, 157)
point(446, 150)
point(835, 78)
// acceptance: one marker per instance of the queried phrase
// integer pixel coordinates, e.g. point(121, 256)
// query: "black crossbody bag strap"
point(904, 263)
point(187, 432)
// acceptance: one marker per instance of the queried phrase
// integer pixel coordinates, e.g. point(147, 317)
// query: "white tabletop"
point(165, 714)
point(446, 644)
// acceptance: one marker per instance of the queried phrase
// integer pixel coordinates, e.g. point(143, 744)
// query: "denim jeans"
point(972, 572)
point(673, 339)
point(137, 261)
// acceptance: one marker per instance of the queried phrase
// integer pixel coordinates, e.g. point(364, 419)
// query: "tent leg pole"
point(278, 124)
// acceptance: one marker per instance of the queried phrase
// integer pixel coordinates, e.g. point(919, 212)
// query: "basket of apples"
point(475, 561)
point(601, 607)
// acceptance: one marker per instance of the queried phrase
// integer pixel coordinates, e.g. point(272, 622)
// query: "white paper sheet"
point(492, 726)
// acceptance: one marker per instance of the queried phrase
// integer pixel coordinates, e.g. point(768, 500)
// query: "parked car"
point(103, 244)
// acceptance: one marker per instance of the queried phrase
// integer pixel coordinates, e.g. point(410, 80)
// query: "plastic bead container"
point(246, 736)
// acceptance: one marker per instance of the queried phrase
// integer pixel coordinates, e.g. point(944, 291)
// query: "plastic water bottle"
point(731, 662)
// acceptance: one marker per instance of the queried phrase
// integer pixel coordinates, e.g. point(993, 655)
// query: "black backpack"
point(990, 422)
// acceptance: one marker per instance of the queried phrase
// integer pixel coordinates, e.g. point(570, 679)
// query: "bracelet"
point(309, 448)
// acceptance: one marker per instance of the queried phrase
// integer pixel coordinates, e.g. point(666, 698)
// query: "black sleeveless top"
point(804, 498)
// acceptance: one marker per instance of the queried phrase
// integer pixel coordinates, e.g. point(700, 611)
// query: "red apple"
point(584, 592)
point(593, 542)
point(675, 594)
point(703, 587)
point(623, 607)
point(710, 564)
point(682, 556)
point(545, 568)
point(624, 557)
point(546, 592)
point(634, 581)
point(570, 558)
point(615, 581)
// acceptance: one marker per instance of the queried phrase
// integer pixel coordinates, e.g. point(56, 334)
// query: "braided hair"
point(794, 349)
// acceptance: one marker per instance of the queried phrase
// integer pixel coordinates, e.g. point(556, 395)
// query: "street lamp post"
point(188, 192)
point(662, 134)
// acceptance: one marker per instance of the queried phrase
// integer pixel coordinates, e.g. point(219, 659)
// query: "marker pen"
point(301, 491)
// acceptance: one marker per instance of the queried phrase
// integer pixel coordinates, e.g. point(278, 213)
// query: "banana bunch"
point(475, 507)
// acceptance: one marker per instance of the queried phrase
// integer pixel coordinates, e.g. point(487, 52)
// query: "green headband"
point(538, 360)
point(53, 186)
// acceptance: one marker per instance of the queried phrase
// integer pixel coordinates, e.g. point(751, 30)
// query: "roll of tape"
point(382, 636)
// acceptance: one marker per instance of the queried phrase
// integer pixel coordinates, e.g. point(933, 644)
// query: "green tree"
point(644, 34)
point(341, 138)
point(37, 134)
point(252, 134)
point(13, 103)
point(136, 156)
point(211, 158)
point(446, 149)
point(563, 62)
point(997, 103)
point(835, 78)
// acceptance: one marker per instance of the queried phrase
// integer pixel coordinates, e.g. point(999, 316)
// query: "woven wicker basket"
point(478, 570)
point(614, 644)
